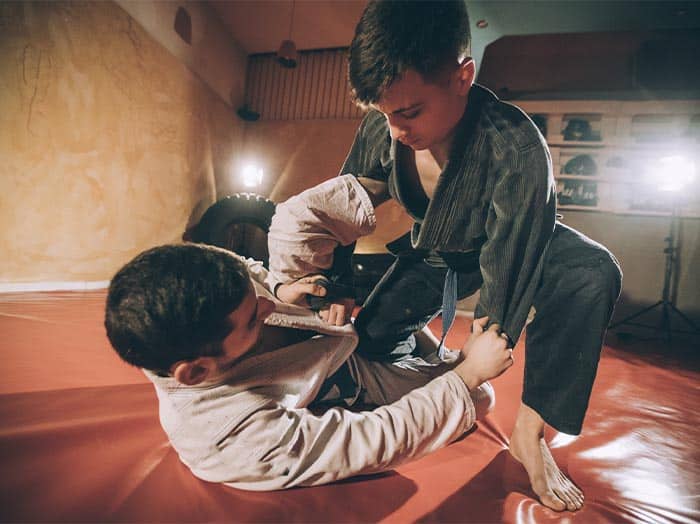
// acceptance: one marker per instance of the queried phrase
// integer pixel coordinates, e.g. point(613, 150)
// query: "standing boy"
point(476, 176)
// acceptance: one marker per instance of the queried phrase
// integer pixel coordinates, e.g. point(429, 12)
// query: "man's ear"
point(193, 372)
point(464, 76)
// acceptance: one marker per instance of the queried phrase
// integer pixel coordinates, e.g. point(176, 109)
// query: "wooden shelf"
point(657, 213)
point(578, 208)
point(588, 178)
point(624, 139)
point(579, 143)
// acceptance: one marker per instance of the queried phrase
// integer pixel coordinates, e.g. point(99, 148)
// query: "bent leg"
point(386, 382)
point(580, 284)
point(407, 297)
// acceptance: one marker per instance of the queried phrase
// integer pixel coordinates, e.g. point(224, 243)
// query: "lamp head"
point(287, 55)
point(252, 176)
point(673, 173)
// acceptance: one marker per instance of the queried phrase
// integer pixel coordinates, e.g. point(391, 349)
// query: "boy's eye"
point(412, 114)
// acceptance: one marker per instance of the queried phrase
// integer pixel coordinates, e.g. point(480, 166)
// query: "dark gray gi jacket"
point(495, 199)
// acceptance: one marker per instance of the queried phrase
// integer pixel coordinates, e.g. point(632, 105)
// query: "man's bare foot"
point(528, 447)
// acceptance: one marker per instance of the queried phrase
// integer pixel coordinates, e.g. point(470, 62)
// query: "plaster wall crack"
point(35, 87)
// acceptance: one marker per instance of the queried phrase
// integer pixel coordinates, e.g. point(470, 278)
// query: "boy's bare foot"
point(528, 447)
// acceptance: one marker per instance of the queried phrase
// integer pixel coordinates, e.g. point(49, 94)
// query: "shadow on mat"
point(483, 498)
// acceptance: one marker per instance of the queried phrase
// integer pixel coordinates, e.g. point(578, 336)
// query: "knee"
point(605, 277)
point(612, 272)
point(484, 399)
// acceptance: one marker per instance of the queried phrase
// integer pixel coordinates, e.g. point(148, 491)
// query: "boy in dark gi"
point(476, 176)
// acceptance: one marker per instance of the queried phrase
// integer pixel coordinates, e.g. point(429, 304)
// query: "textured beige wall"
point(299, 154)
point(212, 54)
point(108, 143)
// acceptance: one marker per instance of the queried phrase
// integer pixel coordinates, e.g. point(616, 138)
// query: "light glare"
point(673, 173)
point(252, 175)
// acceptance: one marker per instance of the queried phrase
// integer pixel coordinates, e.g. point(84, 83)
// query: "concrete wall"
point(109, 143)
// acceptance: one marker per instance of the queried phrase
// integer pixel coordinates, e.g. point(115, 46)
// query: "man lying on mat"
point(237, 373)
point(475, 174)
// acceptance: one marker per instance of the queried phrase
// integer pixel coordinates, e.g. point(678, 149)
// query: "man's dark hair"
point(171, 303)
point(393, 36)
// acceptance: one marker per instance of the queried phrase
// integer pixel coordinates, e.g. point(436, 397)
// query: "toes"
point(571, 491)
point(578, 498)
point(576, 494)
point(551, 500)
point(577, 502)
point(577, 491)
point(570, 502)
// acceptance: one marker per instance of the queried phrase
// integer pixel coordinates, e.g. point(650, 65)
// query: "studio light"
point(252, 175)
point(672, 173)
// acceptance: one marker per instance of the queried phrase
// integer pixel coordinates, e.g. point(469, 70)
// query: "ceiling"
point(260, 25)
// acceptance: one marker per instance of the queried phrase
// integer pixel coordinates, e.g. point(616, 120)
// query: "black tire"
point(239, 223)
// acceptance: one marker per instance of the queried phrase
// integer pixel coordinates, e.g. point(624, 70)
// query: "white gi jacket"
point(254, 430)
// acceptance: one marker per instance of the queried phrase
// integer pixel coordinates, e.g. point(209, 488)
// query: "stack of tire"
point(233, 212)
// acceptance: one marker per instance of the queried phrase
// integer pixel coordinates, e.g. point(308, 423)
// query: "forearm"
point(307, 228)
point(520, 224)
point(510, 280)
point(304, 450)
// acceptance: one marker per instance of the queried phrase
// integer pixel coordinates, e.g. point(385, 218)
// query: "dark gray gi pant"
point(579, 285)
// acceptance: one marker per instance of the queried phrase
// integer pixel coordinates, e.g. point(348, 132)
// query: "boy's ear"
point(464, 76)
point(193, 372)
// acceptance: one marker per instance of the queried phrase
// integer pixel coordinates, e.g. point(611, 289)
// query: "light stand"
point(668, 308)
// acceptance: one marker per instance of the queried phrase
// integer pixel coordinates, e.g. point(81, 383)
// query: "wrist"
point(470, 379)
point(508, 340)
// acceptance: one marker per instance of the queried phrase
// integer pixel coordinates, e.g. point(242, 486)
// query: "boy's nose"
point(397, 132)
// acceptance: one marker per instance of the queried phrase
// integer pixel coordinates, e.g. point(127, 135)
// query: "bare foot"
point(528, 447)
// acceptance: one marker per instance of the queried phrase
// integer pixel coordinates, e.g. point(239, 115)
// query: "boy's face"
point(246, 326)
point(424, 114)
